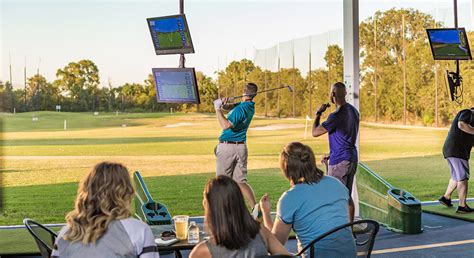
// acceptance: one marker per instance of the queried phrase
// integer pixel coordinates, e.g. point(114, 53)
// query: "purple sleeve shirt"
point(342, 127)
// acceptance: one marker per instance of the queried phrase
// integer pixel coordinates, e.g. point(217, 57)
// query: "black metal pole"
point(182, 59)
point(455, 13)
point(455, 7)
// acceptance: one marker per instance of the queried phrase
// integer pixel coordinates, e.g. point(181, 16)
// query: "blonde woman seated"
point(233, 231)
point(100, 224)
point(313, 205)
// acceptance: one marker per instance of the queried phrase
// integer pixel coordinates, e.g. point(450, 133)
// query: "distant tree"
point(334, 63)
point(321, 88)
point(41, 95)
point(207, 92)
point(386, 52)
point(151, 93)
point(79, 81)
point(7, 97)
point(232, 80)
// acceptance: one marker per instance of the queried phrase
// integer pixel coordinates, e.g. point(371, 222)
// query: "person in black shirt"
point(457, 151)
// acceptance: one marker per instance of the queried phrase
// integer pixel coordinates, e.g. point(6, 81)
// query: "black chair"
point(364, 232)
point(43, 236)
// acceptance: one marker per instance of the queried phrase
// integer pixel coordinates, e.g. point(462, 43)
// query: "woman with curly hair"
point(100, 224)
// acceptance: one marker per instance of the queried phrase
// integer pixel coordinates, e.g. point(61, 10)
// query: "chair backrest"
point(364, 232)
point(43, 236)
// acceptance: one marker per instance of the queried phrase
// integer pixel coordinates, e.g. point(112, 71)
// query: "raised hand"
point(265, 204)
point(322, 108)
point(218, 104)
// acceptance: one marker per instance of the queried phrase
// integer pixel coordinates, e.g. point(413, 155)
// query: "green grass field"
point(449, 49)
point(42, 163)
point(172, 39)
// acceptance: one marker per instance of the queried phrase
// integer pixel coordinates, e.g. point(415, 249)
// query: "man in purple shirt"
point(342, 127)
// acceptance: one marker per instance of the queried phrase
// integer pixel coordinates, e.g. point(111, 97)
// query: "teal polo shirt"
point(240, 116)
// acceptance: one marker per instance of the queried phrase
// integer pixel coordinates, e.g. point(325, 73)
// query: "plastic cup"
point(181, 226)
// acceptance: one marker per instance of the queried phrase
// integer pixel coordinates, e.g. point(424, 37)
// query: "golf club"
point(272, 89)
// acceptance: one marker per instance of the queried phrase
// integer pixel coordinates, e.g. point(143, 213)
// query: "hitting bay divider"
point(394, 208)
point(146, 209)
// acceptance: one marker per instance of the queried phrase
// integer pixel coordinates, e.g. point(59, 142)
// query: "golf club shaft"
point(272, 89)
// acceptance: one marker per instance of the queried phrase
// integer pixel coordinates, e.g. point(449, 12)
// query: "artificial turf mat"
point(449, 212)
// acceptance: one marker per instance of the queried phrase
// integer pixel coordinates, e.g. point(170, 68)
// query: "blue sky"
point(114, 34)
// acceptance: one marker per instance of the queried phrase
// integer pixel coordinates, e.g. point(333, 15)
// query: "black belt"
point(231, 142)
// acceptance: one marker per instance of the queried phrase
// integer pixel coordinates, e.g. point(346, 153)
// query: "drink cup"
point(181, 226)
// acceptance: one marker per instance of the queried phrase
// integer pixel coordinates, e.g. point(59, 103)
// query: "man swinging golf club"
point(231, 152)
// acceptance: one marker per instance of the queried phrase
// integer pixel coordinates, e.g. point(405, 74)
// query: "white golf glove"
point(218, 104)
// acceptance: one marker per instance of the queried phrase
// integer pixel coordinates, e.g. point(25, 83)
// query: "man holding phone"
point(343, 128)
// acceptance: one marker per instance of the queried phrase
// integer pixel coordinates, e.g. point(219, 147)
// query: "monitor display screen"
point(170, 35)
point(449, 44)
point(176, 85)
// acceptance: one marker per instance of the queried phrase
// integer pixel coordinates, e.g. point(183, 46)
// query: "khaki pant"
point(232, 161)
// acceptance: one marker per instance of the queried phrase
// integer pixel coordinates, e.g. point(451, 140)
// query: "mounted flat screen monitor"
point(176, 85)
point(170, 35)
point(449, 44)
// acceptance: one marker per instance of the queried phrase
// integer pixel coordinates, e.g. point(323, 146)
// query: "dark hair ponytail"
point(298, 164)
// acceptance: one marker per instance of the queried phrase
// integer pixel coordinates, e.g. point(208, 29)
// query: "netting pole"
point(436, 93)
point(10, 60)
point(24, 70)
point(218, 79)
point(265, 84)
point(436, 78)
point(309, 82)
point(404, 73)
point(375, 69)
point(294, 76)
point(226, 66)
point(279, 84)
point(234, 81)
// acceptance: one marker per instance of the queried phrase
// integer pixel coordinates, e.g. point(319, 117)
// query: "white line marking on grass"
point(178, 125)
point(276, 127)
point(419, 247)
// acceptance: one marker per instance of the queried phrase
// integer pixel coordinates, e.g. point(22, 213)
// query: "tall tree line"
point(400, 81)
